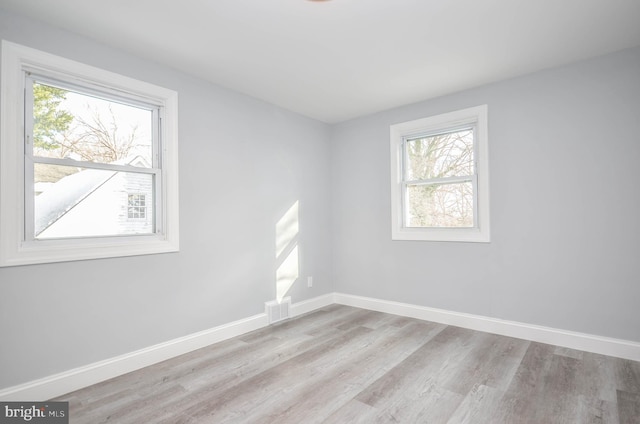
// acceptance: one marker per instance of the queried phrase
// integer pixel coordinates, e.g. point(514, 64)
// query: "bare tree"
point(440, 204)
point(95, 140)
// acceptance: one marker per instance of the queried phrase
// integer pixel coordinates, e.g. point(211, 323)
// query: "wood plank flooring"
point(348, 365)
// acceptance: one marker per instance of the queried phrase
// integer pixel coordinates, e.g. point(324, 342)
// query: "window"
point(137, 206)
point(88, 162)
point(82, 151)
point(439, 171)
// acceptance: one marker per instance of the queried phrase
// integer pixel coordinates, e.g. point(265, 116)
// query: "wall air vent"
point(278, 310)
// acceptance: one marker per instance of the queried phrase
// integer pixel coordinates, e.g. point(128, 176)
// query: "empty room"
point(320, 211)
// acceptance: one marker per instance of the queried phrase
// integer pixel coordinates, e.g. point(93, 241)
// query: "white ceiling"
point(339, 59)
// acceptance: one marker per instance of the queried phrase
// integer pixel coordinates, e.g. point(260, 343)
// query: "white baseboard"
point(77, 378)
point(68, 381)
point(310, 305)
point(570, 339)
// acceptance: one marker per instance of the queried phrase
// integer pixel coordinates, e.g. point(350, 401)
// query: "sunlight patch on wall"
point(287, 256)
point(287, 274)
point(287, 229)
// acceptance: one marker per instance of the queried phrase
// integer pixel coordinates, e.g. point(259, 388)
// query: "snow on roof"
point(64, 195)
point(68, 192)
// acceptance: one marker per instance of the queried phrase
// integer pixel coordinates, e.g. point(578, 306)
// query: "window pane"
point(440, 205)
point(137, 206)
point(440, 156)
point(68, 124)
point(77, 202)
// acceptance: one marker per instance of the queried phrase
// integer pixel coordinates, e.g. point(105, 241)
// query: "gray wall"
point(243, 163)
point(565, 201)
point(564, 148)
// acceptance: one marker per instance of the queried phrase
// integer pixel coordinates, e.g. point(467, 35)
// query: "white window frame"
point(15, 247)
point(400, 133)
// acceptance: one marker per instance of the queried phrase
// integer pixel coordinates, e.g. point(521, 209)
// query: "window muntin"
point(439, 177)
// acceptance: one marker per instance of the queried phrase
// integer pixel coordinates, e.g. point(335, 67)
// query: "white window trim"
point(14, 249)
point(399, 132)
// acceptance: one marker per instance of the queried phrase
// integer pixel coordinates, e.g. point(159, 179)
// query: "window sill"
point(49, 251)
point(470, 235)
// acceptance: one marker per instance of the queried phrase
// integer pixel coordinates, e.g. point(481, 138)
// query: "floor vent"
point(278, 310)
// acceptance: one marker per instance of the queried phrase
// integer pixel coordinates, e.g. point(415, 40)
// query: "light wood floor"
point(348, 365)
